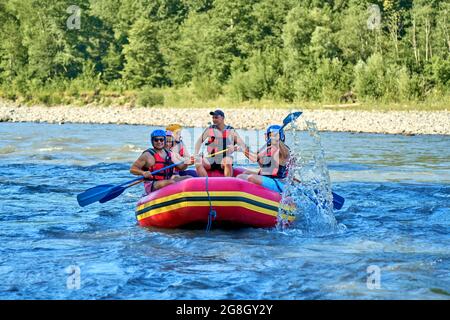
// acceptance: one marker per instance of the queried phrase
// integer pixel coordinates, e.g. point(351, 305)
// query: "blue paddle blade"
point(338, 201)
point(291, 117)
point(114, 193)
point(94, 194)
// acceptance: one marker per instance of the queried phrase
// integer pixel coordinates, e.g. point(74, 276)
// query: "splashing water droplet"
point(307, 193)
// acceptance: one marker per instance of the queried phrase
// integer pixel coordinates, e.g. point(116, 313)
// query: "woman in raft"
point(272, 160)
point(174, 143)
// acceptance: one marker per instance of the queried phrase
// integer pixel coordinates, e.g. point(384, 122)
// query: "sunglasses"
point(158, 139)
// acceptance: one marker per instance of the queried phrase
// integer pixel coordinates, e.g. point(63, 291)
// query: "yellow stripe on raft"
point(212, 194)
point(186, 204)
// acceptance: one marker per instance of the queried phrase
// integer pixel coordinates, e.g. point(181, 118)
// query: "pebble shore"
point(392, 122)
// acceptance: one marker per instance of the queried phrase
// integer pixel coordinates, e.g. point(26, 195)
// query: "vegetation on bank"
point(186, 98)
point(389, 54)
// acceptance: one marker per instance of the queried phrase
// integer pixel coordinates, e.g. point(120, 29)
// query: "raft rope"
point(212, 213)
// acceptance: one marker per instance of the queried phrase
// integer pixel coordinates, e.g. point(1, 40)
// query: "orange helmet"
point(174, 127)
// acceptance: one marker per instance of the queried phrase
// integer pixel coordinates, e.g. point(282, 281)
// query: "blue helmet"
point(275, 128)
point(158, 133)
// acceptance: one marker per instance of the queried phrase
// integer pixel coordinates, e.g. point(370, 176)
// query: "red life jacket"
point(160, 163)
point(279, 172)
point(181, 153)
point(215, 144)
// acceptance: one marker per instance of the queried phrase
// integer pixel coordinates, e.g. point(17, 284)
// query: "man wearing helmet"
point(157, 158)
point(272, 159)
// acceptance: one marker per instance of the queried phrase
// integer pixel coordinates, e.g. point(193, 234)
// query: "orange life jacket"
point(212, 144)
point(280, 171)
point(160, 163)
point(181, 153)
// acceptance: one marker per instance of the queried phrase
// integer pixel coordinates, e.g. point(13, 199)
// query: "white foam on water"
point(49, 149)
point(7, 149)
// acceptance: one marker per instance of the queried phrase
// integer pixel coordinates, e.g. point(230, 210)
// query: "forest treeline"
point(280, 50)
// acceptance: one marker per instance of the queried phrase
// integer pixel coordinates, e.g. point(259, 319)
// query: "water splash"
point(307, 193)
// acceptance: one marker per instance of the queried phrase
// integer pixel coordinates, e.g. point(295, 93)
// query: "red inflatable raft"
point(237, 203)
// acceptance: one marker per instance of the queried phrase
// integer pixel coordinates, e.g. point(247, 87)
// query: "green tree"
point(143, 60)
point(13, 54)
point(260, 79)
point(370, 78)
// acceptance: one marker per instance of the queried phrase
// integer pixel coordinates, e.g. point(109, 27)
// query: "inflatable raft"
point(191, 204)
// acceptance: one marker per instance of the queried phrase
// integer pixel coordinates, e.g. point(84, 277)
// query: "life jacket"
point(214, 146)
point(181, 152)
point(279, 172)
point(160, 163)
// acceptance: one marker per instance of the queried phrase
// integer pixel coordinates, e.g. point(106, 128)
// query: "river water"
point(395, 244)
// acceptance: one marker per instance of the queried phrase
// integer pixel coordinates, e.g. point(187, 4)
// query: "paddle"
point(106, 192)
point(290, 118)
point(219, 152)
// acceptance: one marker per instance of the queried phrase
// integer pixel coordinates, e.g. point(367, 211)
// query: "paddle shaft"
point(140, 179)
point(219, 152)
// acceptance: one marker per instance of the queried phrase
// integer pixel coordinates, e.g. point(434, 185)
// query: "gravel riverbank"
point(392, 122)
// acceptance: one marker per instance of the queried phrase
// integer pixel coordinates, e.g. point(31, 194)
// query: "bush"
point(370, 78)
point(410, 86)
point(149, 98)
point(441, 72)
point(239, 87)
point(283, 89)
point(327, 84)
point(305, 88)
point(8, 93)
point(206, 89)
point(260, 80)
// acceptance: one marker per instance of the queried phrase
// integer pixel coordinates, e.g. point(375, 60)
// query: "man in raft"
point(272, 159)
point(220, 137)
point(157, 158)
point(175, 144)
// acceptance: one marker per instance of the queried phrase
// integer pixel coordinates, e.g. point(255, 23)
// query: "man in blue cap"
point(221, 139)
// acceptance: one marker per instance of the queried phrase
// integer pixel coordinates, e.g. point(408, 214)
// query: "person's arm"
point(199, 142)
point(284, 151)
point(187, 155)
point(244, 148)
point(177, 158)
point(144, 159)
point(252, 156)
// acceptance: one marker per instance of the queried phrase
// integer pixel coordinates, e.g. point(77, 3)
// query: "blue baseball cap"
point(217, 113)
